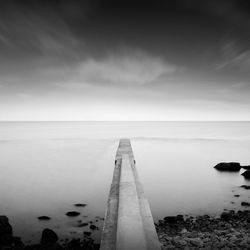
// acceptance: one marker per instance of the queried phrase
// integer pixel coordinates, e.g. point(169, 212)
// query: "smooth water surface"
point(47, 167)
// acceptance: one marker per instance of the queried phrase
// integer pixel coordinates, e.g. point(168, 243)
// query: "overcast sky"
point(124, 60)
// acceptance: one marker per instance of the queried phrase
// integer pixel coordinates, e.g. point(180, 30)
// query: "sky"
point(124, 60)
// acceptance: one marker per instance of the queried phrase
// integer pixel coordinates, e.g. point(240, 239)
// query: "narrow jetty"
point(128, 222)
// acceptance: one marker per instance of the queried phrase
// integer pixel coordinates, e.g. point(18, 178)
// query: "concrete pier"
point(128, 222)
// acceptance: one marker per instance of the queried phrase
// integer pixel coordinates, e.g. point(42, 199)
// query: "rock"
point(74, 244)
point(17, 242)
point(48, 237)
point(6, 232)
point(245, 204)
point(178, 241)
point(83, 224)
point(184, 231)
point(228, 166)
point(87, 233)
point(173, 219)
point(231, 231)
point(236, 195)
point(80, 205)
point(72, 214)
point(225, 216)
point(43, 218)
point(246, 174)
point(182, 242)
point(245, 186)
point(246, 167)
point(93, 227)
point(196, 242)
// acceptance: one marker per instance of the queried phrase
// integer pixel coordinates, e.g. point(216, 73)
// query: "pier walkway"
point(128, 222)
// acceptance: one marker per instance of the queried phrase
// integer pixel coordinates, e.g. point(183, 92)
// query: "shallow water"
point(47, 167)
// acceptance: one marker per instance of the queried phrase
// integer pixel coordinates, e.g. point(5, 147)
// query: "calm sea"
point(47, 167)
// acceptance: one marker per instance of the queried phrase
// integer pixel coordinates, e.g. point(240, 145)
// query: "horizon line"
point(124, 120)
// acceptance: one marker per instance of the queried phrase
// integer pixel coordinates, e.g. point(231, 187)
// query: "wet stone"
point(73, 213)
point(44, 218)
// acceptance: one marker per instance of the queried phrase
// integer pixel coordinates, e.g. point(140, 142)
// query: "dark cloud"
point(31, 30)
point(178, 51)
point(176, 29)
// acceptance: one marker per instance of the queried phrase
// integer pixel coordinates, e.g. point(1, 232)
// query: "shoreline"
point(231, 230)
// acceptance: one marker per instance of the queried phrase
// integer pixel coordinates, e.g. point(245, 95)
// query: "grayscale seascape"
point(124, 125)
point(47, 167)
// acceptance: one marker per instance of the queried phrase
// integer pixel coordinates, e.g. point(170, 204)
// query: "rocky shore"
point(49, 240)
point(229, 231)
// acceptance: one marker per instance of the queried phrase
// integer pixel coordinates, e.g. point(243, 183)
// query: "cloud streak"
point(36, 29)
point(136, 68)
point(234, 56)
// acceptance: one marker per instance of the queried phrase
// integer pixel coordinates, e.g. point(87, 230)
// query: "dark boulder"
point(246, 167)
point(48, 237)
point(245, 204)
point(43, 218)
point(246, 174)
point(245, 186)
point(173, 219)
point(6, 233)
point(72, 214)
point(228, 166)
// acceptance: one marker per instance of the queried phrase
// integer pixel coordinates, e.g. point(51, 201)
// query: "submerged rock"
point(43, 218)
point(245, 186)
point(72, 214)
point(93, 227)
point(82, 224)
point(80, 205)
point(228, 166)
point(48, 241)
point(246, 174)
point(245, 204)
point(48, 237)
